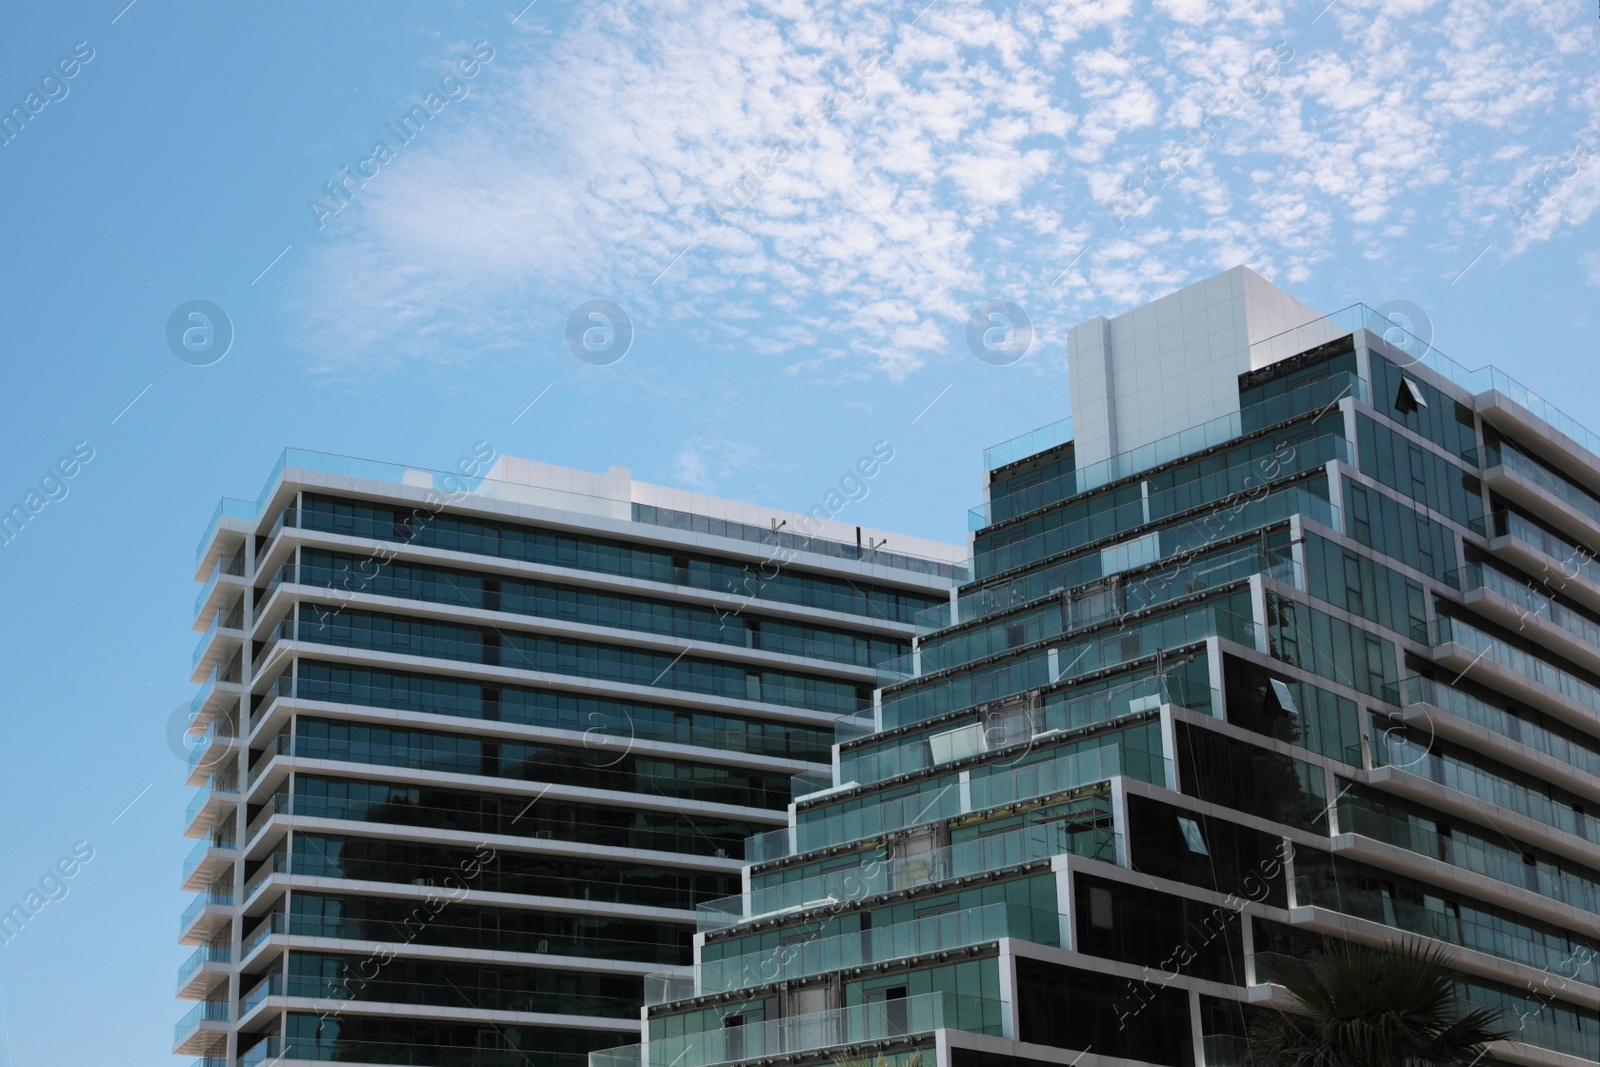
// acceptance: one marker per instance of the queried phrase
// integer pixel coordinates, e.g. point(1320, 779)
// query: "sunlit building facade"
point(473, 746)
point(1291, 634)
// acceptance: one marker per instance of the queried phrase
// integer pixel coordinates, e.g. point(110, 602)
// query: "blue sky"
point(797, 206)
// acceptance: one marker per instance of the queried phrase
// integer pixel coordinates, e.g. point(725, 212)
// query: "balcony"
point(1561, 565)
point(219, 694)
point(222, 639)
point(225, 583)
point(1540, 491)
point(1526, 607)
point(1092, 837)
point(276, 1050)
point(1302, 399)
point(205, 915)
point(209, 860)
point(879, 1021)
point(284, 631)
point(271, 544)
point(1516, 740)
point(265, 703)
point(215, 750)
point(203, 1029)
point(212, 806)
point(276, 863)
point(1461, 646)
point(1065, 773)
point(270, 986)
point(204, 971)
point(932, 933)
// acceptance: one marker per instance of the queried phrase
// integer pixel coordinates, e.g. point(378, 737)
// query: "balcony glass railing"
point(210, 897)
point(227, 507)
point(232, 619)
point(1458, 848)
point(1091, 839)
point(447, 994)
point(1029, 444)
point(217, 786)
point(1582, 753)
point(226, 566)
point(1564, 490)
point(500, 940)
point(945, 800)
point(684, 836)
point(272, 1050)
point(1531, 602)
point(1074, 658)
point(878, 1021)
point(1059, 713)
point(203, 954)
point(932, 933)
point(206, 748)
point(1494, 933)
point(273, 864)
point(1302, 399)
point(1447, 630)
point(1185, 539)
point(270, 986)
point(1525, 797)
point(1055, 619)
point(1567, 561)
point(1223, 489)
point(203, 850)
point(205, 1011)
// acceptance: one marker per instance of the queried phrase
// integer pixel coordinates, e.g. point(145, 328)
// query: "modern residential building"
point(1291, 634)
point(474, 745)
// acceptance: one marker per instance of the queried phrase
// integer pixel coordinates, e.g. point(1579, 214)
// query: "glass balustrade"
point(213, 896)
point(943, 799)
point(1028, 444)
point(1073, 658)
point(1531, 729)
point(202, 955)
point(933, 933)
point(1567, 560)
point(1502, 862)
point(882, 1020)
point(205, 1011)
point(1181, 542)
point(1448, 630)
point(893, 874)
point(1531, 601)
point(1302, 399)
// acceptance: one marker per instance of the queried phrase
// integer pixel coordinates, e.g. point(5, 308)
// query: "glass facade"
point(1200, 707)
point(471, 770)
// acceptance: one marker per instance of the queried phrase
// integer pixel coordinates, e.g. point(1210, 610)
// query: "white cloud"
point(977, 161)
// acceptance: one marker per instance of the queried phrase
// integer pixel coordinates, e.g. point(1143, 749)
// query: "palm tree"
point(1361, 1006)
